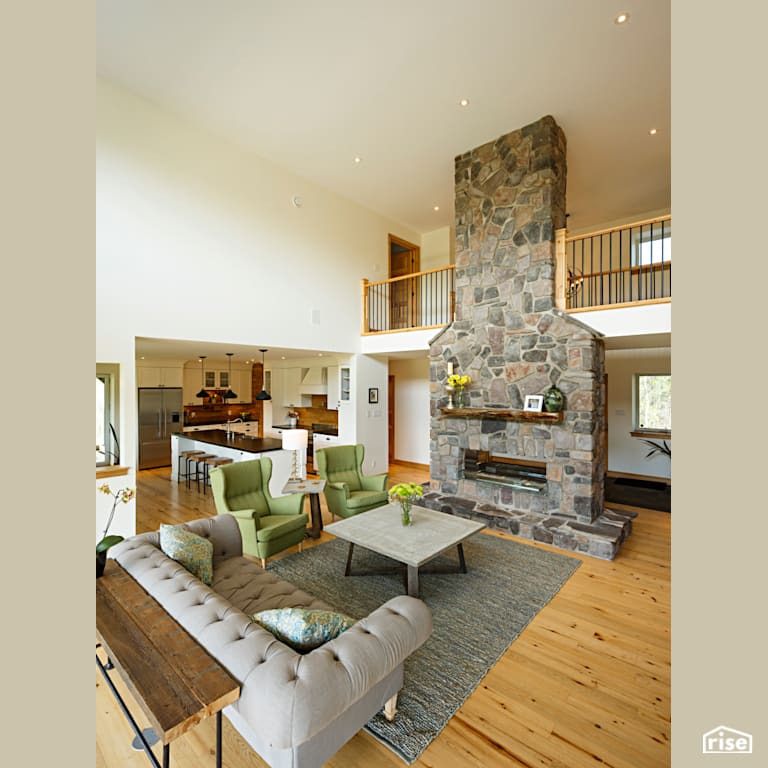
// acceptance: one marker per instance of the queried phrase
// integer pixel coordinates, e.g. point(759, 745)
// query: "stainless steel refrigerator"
point(160, 412)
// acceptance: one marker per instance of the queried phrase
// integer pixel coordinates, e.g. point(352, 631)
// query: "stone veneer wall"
point(508, 336)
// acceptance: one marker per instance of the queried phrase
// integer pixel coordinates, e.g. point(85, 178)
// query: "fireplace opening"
point(520, 474)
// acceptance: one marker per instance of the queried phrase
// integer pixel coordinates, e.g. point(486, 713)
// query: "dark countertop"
point(238, 442)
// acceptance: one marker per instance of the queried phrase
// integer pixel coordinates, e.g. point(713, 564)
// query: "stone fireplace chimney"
point(509, 337)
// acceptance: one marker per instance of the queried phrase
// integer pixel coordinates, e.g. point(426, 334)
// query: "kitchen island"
point(237, 448)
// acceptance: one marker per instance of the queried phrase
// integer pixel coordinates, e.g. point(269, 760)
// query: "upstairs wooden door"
point(404, 259)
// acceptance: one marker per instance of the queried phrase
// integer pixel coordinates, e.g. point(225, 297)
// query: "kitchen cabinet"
point(333, 388)
point(241, 385)
point(159, 376)
point(291, 384)
point(191, 384)
point(345, 383)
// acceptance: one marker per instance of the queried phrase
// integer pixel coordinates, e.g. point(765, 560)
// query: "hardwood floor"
point(586, 683)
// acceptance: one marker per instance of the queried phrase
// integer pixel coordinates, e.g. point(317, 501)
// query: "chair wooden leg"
point(264, 563)
point(390, 708)
point(301, 543)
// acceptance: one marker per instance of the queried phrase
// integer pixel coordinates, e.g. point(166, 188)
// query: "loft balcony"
point(620, 278)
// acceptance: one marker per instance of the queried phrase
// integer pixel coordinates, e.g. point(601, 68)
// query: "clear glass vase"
point(405, 511)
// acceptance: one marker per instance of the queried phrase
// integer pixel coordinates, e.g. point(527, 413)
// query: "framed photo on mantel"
point(533, 403)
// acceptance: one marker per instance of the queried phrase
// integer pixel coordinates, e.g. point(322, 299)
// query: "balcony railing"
point(413, 302)
point(615, 267)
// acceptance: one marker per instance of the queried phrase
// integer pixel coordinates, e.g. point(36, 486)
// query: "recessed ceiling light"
point(464, 103)
point(622, 18)
point(319, 354)
point(437, 207)
point(282, 357)
point(653, 131)
point(358, 159)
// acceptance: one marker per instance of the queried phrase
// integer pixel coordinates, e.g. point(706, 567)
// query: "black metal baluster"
point(663, 267)
point(601, 270)
point(610, 268)
point(652, 272)
point(631, 267)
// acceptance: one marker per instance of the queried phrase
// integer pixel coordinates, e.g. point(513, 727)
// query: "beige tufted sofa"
point(295, 710)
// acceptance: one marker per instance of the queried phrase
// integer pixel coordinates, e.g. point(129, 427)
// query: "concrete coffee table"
point(430, 534)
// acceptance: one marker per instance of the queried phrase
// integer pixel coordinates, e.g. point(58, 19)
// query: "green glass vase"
point(554, 400)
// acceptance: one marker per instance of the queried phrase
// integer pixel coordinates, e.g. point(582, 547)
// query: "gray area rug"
point(476, 617)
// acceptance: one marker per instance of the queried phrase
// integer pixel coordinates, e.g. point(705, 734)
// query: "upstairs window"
point(652, 244)
point(653, 402)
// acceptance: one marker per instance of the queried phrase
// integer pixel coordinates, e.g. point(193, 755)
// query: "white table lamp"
point(295, 440)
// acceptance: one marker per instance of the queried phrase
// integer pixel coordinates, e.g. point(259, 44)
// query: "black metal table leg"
point(462, 562)
point(166, 755)
point(218, 739)
point(349, 559)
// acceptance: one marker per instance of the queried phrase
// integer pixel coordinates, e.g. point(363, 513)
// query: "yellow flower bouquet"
point(456, 383)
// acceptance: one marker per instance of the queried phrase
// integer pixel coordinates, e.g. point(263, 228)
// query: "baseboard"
point(632, 476)
point(411, 464)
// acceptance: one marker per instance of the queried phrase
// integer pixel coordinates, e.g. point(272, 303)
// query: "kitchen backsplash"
point(317, 413)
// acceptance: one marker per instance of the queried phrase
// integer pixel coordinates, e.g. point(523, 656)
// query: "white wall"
point(412, 422)
point(626, 453)
point(197, 239)
point(436, 248)
point(371, 419)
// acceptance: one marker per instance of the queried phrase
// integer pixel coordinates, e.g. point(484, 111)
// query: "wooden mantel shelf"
point(502, 413)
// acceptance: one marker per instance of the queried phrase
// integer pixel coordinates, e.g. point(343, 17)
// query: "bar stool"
point(208, 465)
point(185, 457)
point(197, 461)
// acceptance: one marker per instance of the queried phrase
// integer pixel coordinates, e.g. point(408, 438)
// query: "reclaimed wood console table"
point(175, 681)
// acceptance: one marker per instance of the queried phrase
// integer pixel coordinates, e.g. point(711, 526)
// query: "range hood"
point(314, 381)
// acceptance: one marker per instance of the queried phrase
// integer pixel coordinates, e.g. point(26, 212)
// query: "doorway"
point(391, 416)
point(404, 260)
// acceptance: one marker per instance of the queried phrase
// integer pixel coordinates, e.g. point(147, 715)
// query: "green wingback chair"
point(347, 491)
point(268, 525)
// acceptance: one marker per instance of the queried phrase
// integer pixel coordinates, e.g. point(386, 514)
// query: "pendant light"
point(202, 392)
point(229, 394)
point(263, 395)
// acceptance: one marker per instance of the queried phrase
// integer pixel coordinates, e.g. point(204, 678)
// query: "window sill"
point(111, 471)
point(664, 435)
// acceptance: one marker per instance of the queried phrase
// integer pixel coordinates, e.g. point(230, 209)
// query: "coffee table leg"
point(462, 562)
point(413, 580)
point(315, 514)
point(349, 560)
point(218, 739)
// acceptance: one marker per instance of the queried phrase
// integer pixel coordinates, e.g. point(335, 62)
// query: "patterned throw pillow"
point(193, 552)
point(303, 628)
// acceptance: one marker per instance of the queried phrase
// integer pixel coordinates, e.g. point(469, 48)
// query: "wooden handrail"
point(620, 228)
point(638, 269)
point(411, 275)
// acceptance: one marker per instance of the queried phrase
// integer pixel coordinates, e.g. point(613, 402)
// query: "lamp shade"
point(263, 395)
point(295, 439)
point(202, 392)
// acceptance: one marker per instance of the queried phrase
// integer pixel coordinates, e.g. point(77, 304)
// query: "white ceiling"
point(310, 85)
point(184, 349)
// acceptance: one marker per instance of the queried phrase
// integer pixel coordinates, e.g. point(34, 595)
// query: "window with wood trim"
point(653, 402)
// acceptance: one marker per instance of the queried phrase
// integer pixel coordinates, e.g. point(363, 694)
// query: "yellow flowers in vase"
point(456, 383)
point(404, 494)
